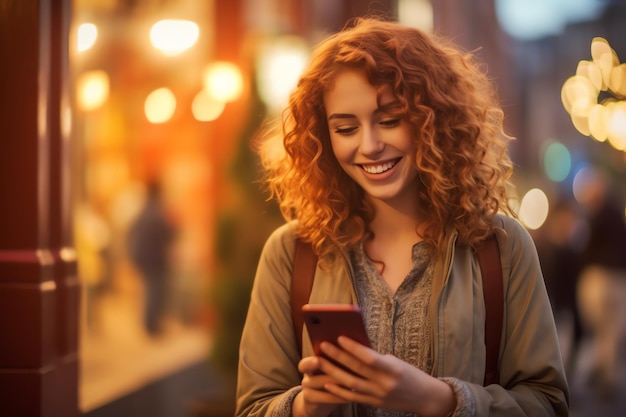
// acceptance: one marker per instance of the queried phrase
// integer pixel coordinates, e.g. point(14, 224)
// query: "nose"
point(371, 143)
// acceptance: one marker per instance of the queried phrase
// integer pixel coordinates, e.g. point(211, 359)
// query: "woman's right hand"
point(314, 400)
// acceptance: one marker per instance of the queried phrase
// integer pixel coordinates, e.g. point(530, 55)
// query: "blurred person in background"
point(602, 285)
point(559, 248)
point(395, 168)
point(150, 238)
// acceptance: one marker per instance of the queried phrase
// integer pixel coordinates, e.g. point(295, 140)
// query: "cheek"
point(404, 141)
point(341, 149)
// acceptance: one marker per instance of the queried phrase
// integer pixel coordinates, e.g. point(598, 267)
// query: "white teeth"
point(378, 169)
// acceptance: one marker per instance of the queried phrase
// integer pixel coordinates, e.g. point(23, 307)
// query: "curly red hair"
point(455, 121)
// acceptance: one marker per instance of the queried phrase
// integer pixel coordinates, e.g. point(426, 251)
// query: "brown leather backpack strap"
point(304, 265)
point(493, 292)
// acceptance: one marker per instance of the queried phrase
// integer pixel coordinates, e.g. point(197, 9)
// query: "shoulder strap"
point(305, 262)
point(491, 269)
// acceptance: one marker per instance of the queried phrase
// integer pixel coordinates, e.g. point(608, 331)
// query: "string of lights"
point(595, 97)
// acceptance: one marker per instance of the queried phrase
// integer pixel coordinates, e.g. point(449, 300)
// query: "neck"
point(395, 220)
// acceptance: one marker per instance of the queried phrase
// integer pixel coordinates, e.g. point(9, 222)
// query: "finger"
point(314, 391)
point(309, 365)
point(317, 381)
point(352, 395)
point(345, 379)
point(362, 352)
point(345, 359)
point(374, 361)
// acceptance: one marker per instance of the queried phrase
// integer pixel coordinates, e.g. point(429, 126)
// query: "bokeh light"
point(223, 81)
point(416, 13)
point(172, 37)
point(604, 120)
point(599, 122)
point(585, 175)
point(617, 81)
point(557, 161)
point(534, 209)
point(534, 19)
point(86, 36)
point(205, 109)
point(616, 130)
point(92, 88)
point(279, 65)
point(160, 105)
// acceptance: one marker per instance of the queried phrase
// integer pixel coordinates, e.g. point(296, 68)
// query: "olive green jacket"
point(531, 373)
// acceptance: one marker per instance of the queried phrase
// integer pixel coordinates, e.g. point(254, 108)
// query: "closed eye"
point(390, 122)
point(346, 131)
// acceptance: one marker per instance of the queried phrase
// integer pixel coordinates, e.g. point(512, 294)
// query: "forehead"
point(351, 92)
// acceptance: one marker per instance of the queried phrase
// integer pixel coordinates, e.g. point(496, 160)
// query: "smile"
point(379, 168)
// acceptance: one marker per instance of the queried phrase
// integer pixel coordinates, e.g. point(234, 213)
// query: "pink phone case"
point(326, 322)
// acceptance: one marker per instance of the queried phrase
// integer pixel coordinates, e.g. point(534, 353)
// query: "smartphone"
point(326, 322)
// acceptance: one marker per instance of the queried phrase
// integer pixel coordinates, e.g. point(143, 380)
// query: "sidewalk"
point(587, 399)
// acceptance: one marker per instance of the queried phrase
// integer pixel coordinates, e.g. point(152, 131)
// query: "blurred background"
point(168, 95)
point(168, 218)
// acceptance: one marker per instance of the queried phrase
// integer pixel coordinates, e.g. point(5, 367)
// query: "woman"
point(395, 169)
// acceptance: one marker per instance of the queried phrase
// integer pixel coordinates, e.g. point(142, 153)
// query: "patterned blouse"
point(399, 323)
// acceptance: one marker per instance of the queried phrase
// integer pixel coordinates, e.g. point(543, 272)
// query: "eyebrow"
point(341, 116)
point(381, 109)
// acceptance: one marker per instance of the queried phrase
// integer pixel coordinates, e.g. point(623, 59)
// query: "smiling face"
point(370, 141)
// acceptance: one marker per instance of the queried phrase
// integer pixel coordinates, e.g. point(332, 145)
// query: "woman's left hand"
point(384, 381)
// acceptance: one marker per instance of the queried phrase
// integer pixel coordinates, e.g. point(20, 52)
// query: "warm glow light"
point(605, 57)
point(173, 37)
point(92, 89)
point(205, 109)
point(223, 81)
point(534, 209)
point(279, 66)
point(107, 175)
point(605, 120)
point(578, 92)
point(598, 122)
point(416, 13)
point(617, 83)
point(580, 119)
point(616, 130)
point(160, 105)
point(591, 70)
point(86, 36)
